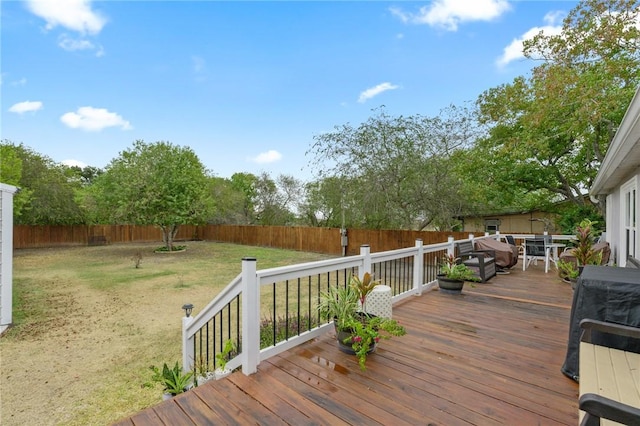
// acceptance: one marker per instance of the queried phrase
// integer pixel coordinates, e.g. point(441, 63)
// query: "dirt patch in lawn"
point(88, 325)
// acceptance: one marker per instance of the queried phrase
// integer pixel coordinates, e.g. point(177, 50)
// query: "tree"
point(11, 173)
point(276, 200)
point(554, 127)
point(245, 183)
point(395, 171)
point(159, 184)
point(323, 205)
point(229, 202)
point(46, 197)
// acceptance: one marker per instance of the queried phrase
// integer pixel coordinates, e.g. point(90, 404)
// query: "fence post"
point(188, 357)
point(418, 268)
point(365, 251)
point(250, 316)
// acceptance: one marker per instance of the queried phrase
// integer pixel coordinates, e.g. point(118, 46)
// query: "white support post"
point(250, 316)
point(365, 251)
point(418, 268)
point(188, 356)
point(451, 248)
point(6, 255)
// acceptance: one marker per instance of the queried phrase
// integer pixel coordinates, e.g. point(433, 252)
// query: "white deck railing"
point(238, 311)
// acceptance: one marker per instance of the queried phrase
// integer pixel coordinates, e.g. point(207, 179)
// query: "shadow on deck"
point(489, 356)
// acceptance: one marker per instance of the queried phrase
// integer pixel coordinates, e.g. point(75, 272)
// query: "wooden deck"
point(490, 356)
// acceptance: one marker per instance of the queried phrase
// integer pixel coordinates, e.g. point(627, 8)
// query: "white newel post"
point(451, 249)
point(365, 251)
point(6, 255)
point(250, 316)
point(187, 344)
point(418, 268)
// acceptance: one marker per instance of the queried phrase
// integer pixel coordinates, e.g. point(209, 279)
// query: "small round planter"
point(222, 373)
point(450, 286)
point(201, 380)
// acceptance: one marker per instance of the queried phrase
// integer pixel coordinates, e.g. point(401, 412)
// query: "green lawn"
point(88, 324)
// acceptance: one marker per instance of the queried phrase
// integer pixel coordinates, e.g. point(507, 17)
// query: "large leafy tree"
point(550, 131)
point(276, 200)
point(393, 172)
point(323, 205)
point(11, 173)
point(155, 184)
point(46, 196)
point(245, 183)
point(229, 202)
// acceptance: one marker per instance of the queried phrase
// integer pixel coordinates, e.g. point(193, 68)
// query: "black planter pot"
point(346, 347)
point(343, 335)
point(450, 286)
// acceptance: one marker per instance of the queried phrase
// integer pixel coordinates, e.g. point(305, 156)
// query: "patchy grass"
point(88, 324)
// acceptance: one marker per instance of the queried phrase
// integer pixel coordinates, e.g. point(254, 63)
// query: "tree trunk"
point(168, 234)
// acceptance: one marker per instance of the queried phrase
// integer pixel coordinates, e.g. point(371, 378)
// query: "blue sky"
point(246, 85)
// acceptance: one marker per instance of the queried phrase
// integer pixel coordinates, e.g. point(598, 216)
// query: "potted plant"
point(357, 331)
point(222, 357)
point(454, 274)
point(568, 271)
point(173, 379)
point(203, 372)
point(586, 234)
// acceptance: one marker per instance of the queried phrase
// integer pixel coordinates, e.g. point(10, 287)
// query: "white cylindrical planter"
point(379, 301)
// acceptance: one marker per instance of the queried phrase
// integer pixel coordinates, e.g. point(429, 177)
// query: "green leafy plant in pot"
point(586, 234)
point(174, 380)
point(453, 274)
point(222, 358)
point(357, 331)
point(568, 270)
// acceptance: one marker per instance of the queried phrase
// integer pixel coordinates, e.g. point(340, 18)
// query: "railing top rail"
point(222, 299)
point(290, 272)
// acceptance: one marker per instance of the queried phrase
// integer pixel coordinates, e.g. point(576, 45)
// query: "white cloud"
point(374, 91)
point(514, 51)
point(94, 119)
point(75, 15)
point(74, 163)
point(26, 106)
point(72, 44)
point(270, 156)
point(448, 14)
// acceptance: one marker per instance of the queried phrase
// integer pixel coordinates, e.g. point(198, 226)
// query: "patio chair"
point(535, 249)
point(483, 262)
point(512, 241)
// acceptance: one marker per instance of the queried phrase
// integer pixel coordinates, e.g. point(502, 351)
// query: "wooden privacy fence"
point(319, 240)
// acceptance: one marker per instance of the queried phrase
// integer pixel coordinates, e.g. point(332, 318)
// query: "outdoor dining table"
point(552, 254)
